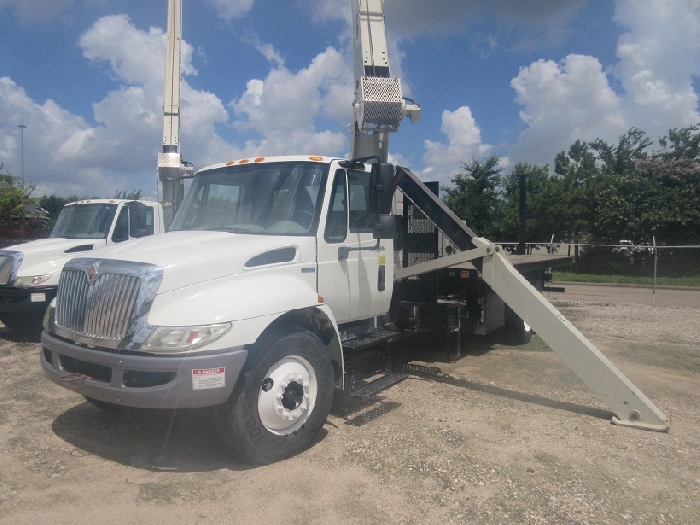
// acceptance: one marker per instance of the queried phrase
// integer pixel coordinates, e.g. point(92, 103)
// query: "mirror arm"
point(344, 251)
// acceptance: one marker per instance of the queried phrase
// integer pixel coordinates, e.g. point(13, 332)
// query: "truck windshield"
point(279, 198)
point(84, 221)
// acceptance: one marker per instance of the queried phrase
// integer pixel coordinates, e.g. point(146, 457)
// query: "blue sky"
point(519, 79)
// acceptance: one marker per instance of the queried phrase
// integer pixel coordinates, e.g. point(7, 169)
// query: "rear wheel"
point(281, 400)
point(516, 331)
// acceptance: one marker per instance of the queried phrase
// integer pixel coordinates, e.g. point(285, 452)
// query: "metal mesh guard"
point(382, 104)
point(169, 160)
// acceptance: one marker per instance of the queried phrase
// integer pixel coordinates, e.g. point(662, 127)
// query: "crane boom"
point(379, 105)
point(170, 164)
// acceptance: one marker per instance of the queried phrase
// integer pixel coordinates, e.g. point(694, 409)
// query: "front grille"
point(5, 268)
point(102, 309)
point(105, 302)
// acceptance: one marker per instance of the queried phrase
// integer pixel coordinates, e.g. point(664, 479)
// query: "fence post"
point(656, 258)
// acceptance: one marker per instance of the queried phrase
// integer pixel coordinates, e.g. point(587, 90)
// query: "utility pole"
point(22, 127)
point(522, 216)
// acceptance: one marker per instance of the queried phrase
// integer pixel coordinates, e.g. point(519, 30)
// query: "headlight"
point(31, 280)
point(175, 339)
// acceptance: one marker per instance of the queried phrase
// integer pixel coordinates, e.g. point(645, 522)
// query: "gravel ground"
point(503, 435)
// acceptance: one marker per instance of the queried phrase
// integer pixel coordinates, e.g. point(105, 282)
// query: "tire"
point(516, 331)
point(24, 324)
point(281, 400)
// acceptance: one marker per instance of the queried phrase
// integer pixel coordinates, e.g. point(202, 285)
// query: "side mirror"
point(386, 227)
point(382, 188)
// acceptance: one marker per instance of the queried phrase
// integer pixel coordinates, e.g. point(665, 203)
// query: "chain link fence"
point(625, 263)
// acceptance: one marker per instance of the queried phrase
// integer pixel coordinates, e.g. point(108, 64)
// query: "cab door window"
point(337, 220)
point(121, 228)
point(361, 218)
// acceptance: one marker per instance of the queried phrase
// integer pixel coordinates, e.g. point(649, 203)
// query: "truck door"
point(357, 286)
point(141, 219)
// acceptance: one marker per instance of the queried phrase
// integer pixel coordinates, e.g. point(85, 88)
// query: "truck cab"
point(261, 251)
point(29, 272)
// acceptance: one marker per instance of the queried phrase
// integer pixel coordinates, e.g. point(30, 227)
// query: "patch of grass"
point(624, 279)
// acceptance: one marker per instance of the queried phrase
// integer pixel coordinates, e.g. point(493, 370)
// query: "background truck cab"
point(29, 272)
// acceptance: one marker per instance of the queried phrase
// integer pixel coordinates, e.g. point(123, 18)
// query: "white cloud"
point(659, 57)
point(119, 153)
point(134, 56)
point(304, 111)
point(48, 125)
point(230, 9)
point(564, 102)
point(285, 106)
point(523, 25)
point(36, 10)
point(444, 161)
point(328, 10)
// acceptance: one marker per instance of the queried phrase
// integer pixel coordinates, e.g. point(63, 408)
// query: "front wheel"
point(26, 324)
point(281, 401)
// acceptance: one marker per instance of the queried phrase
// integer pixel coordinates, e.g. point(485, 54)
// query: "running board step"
point(366, 391)
point(370, 339)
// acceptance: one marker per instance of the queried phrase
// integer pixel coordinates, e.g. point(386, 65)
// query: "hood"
point(44, 256)
point(191, 257)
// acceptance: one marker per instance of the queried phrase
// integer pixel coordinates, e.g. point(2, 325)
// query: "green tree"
point(572, 192)
point(54, 204)
point(683, 143)
point(577, 166)
point(474, 195)
point(540, 222)
point(20, 216)
point(133, 195)
point(621, 158)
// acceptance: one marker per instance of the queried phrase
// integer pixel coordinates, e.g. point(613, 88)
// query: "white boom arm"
point(170, 164)
point(379, 104)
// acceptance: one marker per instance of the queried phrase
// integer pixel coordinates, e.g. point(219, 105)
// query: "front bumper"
point(142, 381)
point(26, 300)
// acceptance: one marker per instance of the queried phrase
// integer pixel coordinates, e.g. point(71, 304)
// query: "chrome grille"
point(5, 268)
point(102, 309)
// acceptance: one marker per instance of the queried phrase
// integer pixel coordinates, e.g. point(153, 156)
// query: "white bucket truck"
point(277, 269)
point(29, 272)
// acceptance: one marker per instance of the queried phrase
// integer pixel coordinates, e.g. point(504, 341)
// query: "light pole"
point(22, 127)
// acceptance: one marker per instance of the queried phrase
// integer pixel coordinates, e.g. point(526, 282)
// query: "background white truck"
point(29, 272)
point(277, 271)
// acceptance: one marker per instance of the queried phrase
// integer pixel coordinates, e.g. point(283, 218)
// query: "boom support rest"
point(628, 404)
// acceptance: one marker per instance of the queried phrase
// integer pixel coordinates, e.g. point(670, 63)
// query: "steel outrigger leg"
point(629, 405)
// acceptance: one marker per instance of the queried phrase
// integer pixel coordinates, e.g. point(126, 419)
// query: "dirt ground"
point(503, 435)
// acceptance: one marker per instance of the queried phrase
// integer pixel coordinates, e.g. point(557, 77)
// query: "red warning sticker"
point(205, 378)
